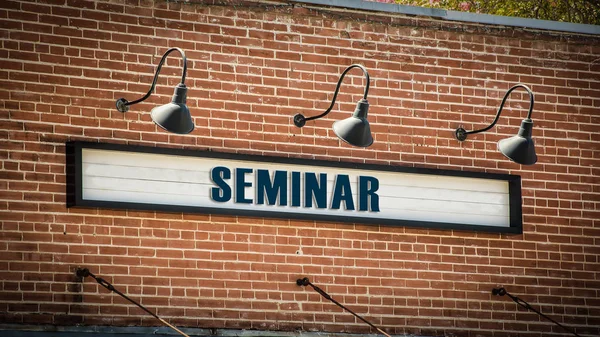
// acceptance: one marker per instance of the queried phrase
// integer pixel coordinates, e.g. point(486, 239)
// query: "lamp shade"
point(520, 148)
point(355, 130)
point(175, 116)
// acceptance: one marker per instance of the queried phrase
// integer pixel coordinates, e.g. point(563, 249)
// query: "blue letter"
point(241, 184)
point(367, 188)
point(295, 189)
point(342, 191)
point(312, 185)
point(277, 188)
point(223, 192)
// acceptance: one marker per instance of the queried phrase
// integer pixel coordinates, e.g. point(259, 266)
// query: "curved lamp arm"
point(123, 104)
point(300, 120)
point(461, 134)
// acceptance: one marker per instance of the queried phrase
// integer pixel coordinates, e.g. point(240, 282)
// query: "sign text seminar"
point(285, 188)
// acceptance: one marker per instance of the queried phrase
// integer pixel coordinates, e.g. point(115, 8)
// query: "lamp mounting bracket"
point(461, 134)
point(122, 105)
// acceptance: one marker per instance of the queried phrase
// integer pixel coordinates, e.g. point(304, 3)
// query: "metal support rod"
point(522, 303)
point(85, 272)
point(306, 282)
point(461, 134)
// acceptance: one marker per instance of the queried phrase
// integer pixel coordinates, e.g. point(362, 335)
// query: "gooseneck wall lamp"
point(519, 148)
point(175, 116)
point(354, 130)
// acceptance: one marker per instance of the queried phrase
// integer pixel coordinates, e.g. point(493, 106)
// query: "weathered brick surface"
point(252, 66)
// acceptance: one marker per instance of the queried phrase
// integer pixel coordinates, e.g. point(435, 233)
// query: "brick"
point(249, 71)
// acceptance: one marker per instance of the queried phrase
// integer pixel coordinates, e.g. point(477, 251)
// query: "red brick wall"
point(251, 67)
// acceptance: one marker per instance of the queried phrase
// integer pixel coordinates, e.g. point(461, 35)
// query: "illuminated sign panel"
point(134, 177)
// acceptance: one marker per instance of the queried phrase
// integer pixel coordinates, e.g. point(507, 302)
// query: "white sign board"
point(118, 176)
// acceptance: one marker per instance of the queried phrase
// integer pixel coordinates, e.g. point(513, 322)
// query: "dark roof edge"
point(458, 16)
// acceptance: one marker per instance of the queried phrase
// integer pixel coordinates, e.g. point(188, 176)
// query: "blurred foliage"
point(577, 11)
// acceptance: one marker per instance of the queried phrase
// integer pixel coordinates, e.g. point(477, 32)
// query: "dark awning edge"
point(19, 330)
